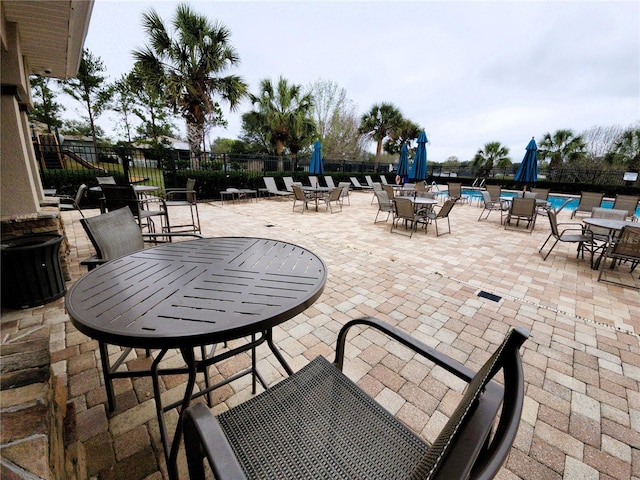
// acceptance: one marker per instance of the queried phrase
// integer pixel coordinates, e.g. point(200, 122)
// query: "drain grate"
point(490, 296)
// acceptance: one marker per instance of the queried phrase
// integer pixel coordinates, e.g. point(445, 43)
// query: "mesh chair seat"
point(522, 209)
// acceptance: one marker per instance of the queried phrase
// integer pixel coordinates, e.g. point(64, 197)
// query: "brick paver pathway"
point(581, 416)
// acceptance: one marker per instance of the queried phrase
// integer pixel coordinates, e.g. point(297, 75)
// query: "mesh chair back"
point(626, 202)
point(76, 201)
point(369, 180)
point(334, 195)
point(608, 213)
point(389, 190)
point(118, 196)
point(420, 187)
point(191, 196)
point(299, 194)
point(455, 190)
point(628, 244)
point(542, 193)
point(486, 198)
point(494, 192)
point(383, 179)
point(446, 208)
point(553, 223)
point(588, 200)
point(114, 234)
point(384, 203)
point(523, 207)
point(404, 208)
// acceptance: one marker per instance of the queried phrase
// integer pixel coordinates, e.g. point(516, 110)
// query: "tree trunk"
point(194, 137)
point(378, 153)
point(280, 151)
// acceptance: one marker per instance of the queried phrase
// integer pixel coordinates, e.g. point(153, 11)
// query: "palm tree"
point(563, 147)
point(379, 123)
point(493, 154)
point(283, 115)
point(405, 132)
point(188, 68)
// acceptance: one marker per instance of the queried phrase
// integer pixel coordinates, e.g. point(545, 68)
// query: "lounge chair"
point(113, 235)
point(405, 212)
point(287, 183)
point(328, 179)
point(383, 180)
point(573, 234)
point(492, 206)
point(522, 209)
point(369, 180)
point(317, 423)
point(181, 197)
point(356, 184)
point(345, 186)
point(626, 248)
point(385, 204)
point(272, 189)
point(433, 216)
point(588, 200)
point(313, 181)
point(628, 203)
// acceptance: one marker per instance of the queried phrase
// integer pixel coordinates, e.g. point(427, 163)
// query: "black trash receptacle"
point(31, 270)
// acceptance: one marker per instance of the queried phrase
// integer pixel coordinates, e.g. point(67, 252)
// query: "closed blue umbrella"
point(528, 170)
point(403, 163)
point(419, 167)
point(316, 166)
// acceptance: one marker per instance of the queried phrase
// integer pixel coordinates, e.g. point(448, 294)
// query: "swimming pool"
point(556, 201)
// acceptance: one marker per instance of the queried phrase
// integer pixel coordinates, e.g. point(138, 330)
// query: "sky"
point(469, 73)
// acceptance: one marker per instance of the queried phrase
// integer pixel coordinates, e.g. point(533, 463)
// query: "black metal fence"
point(65, 167)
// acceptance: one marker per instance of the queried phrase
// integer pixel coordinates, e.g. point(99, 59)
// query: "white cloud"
point(469, 72)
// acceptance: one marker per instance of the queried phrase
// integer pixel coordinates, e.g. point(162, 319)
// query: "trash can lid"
point(29, 241)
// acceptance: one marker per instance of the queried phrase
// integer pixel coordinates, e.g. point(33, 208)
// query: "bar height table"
point(189, 294)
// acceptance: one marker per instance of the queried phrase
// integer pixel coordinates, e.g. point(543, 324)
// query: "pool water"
point(555, 200)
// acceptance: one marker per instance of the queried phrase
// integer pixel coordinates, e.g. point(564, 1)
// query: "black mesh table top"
point(196, 292)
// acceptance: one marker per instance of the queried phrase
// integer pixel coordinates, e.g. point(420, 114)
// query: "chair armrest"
point(444, 361)
point(153, 237)
point(583, 230)
point(170, 193)
point(93, 262)
point(203, 437)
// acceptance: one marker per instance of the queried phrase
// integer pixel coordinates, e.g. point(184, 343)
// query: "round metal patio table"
point(193, 293)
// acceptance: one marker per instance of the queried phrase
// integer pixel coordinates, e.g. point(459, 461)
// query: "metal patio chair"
point(319, 424)
point(625, 248)
point(144, 210)
point(522, 209)
point(588, 200)
point(492, 206)
point(404, 211)
point(385, 204)
point(445, 209)
point(568, 235)
point(113, 235)
point(73, 203)
point(628, 203)
point(181, 197)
